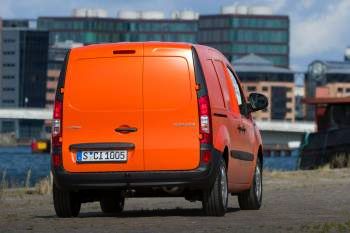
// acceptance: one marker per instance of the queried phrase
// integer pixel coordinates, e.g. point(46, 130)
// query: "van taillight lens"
point(56, 127)
point(204, 119)
point(56, 123)
point(57, 134)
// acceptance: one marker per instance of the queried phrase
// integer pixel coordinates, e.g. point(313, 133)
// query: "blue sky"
point(319, 28)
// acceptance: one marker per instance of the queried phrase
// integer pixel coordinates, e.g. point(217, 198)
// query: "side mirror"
point(257, 102)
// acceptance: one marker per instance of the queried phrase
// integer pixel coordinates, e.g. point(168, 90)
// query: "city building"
point(241, 30)
point(88, 28)
point(23, 80)
point(19, 23)
point(16, 23)
point(299, 96)
point(327, 79)
point(0, 50)
point(236, 32)
point(260, 75)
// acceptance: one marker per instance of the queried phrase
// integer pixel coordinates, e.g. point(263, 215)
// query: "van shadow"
point(178, 212)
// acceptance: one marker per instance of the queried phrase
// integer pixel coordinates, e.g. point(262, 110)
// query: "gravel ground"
point(309, 201)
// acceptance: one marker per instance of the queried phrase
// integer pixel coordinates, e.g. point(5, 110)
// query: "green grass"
point(327, 227)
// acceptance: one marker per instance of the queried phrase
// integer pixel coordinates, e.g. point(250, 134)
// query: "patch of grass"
point(44, 186)
point(326, 227)
point(3, 184)
point(27, 182)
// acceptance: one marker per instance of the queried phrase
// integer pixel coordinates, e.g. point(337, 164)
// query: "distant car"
point(153, 119)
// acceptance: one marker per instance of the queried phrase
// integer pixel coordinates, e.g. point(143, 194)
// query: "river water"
point(18, 164)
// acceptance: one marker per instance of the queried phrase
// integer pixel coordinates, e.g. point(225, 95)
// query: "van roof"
point(133, 44)
point(141, 49)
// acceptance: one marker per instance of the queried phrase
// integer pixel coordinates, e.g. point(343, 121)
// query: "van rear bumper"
point(200, 178)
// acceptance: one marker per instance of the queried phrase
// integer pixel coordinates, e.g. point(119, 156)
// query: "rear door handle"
point(126, 129)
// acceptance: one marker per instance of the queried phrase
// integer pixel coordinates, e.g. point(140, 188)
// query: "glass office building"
point(16, 23)
point(99, 30)
point(23, 81)
point(237, 35)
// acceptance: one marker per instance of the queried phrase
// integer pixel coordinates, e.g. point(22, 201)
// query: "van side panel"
point(233, 122)
point(171, 135)
point(100, 95)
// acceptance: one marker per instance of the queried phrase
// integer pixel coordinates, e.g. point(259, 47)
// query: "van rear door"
point(102, 102)
point(171, 131)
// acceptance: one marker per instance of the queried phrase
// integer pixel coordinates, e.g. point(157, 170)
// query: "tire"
point(112, 204)
point(252, 198)
point(215, 199)
point(67, 204)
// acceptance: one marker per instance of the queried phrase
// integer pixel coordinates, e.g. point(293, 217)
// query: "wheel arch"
point(225, 156)
point(221, 138)
point(261, 156)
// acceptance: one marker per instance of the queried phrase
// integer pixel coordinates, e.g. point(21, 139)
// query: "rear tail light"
point(56, 160)
point(56, 124)
point(56, 142)
point(57, 117)
point(57, 134)
point(204, 112)
point(206, 156)
point(204, 119)
point(205, 127)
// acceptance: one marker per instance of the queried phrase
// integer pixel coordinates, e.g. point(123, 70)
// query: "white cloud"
point(277, 5)
point(307, 3)
point(321, 32)
point(5, 9)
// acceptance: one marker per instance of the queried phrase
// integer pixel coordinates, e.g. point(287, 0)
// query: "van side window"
point(236, 87)
point(243, 109)
point(220, 72)
point(217, 99)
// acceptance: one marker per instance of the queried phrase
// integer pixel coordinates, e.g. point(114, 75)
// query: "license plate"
point(102, 156)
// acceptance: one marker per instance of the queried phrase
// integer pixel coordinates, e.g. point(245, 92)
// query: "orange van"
point(153, 119)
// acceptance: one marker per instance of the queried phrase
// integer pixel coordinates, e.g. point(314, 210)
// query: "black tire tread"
point(212, 204)
point(247, 200)
point(65, 203)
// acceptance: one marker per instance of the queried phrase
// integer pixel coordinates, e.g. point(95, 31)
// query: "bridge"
point(26, 113)
point(273, 132)
point(46, 114)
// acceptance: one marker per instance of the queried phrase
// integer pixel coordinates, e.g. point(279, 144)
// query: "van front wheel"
point(215, 199)
point(66, 203)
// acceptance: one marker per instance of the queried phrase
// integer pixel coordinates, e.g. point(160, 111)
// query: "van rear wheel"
point(252, 198)
point(215, 199)
point(66, 203)
point(112, 203)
